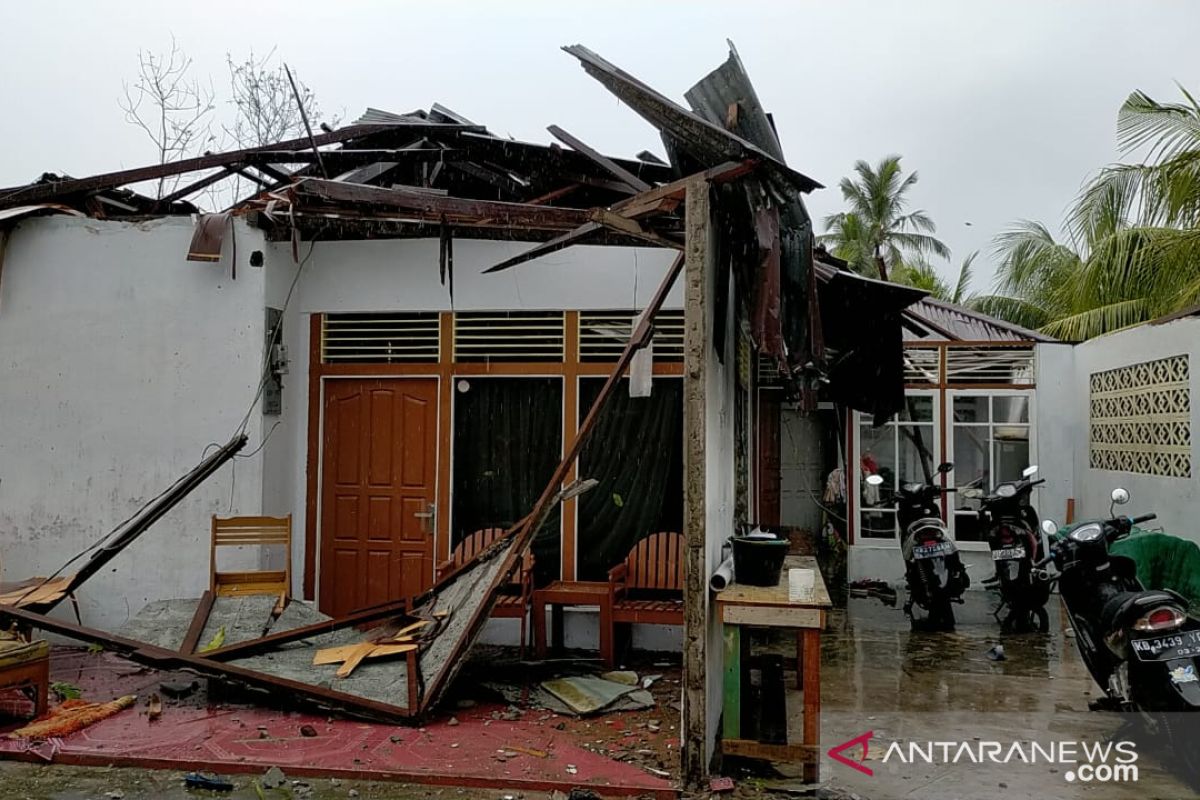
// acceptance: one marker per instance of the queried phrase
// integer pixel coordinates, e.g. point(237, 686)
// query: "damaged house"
point(410, 320)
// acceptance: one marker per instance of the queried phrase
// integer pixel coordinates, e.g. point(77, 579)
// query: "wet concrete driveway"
point(907, 687)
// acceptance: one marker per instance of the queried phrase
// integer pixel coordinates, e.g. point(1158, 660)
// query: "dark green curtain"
point(507, 442)
point(636, 452)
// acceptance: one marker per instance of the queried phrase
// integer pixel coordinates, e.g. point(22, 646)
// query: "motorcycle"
point(1139, 645)
point(933, 571)
point(1013, 536)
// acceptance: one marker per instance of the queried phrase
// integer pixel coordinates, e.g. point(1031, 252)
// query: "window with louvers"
point(380, 338)
point(508, 336)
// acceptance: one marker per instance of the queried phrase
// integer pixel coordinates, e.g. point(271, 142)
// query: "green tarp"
point(1163, 562)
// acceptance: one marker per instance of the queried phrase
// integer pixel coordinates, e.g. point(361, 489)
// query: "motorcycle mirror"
point(1120, 496)
point(1030, 470)
point(945, 467)
point(1049, 527)
point(974, 493)
point(875, 480)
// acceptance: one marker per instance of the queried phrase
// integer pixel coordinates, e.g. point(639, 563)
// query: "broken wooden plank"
point(336, 655)
point(435, 208)
point(407, 629)
point(577, 236)
point(36, 591)
point(631, 227)
point(31, 193)
point(355, 658)
point(199, 620)
point(610, 166)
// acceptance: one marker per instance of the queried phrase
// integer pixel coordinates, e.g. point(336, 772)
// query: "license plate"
point(1165, 648)
point(1006, 553)
point(931, 550)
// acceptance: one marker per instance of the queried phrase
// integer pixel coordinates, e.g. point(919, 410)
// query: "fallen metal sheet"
point(325, 697)
point(709, 143)
point(587, 694)
point(165, 623)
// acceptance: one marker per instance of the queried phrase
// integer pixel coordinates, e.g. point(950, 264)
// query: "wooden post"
point(695, 586)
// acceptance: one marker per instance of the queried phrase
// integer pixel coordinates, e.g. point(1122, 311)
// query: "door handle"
point(430, 517)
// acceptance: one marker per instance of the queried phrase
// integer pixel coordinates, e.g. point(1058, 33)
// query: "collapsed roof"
point(439, 173)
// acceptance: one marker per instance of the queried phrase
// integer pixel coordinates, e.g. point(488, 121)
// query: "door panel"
point(378, 476)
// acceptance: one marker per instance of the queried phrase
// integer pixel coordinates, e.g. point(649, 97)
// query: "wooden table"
point(560, 594)
point(769, 607)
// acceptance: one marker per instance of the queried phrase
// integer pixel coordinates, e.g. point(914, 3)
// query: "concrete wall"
point(1175, 500)
point(121, 362)
point(719, 500)
point(1059, 428)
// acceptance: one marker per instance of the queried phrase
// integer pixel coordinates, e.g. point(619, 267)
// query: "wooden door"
point(377, 491)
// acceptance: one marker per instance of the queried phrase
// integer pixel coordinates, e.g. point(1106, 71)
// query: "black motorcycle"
point(1139, 645)
point(933, 571)
point(1015, 541)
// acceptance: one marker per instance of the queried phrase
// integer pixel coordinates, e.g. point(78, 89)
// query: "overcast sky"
point(1004, 108)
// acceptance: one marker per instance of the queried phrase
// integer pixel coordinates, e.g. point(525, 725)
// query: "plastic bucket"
point(758, 560)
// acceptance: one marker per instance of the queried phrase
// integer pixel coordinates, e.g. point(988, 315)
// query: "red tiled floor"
point(250, 739)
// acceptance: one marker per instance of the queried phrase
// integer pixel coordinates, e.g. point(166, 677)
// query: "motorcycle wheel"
point(941, 615)
point(1026, 621)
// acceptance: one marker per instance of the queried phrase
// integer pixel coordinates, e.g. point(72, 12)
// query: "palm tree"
point(877, 233)
point(1130, 249)
point(922, 275)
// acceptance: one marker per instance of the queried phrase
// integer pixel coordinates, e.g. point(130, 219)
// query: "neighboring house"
point(981, 393)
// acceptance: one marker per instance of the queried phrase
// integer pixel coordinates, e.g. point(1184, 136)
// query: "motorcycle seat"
point(1121, 609)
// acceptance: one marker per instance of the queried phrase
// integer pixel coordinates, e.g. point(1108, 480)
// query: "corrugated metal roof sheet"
point(965, 325)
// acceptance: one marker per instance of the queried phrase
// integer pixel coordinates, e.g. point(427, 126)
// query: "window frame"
point(1030, 396)
point(859, 419)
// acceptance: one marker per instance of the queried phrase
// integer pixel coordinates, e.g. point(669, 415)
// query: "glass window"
point(990, 436)
point(971, 408)
point(902, 451)
point(1010, 409)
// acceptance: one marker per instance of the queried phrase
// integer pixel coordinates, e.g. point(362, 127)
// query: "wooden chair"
point(647, 588)
point(26, 666)
point(251, 531)
point(513, 602)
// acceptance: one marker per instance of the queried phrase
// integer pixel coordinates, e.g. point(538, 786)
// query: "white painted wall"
point(1175, 500)
point(1059, 428)
point(121, 361)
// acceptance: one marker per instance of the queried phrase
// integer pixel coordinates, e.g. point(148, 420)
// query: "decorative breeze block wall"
point(1141, 418)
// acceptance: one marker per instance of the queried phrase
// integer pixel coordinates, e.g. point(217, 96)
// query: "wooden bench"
point(513, 601)
point(252, 532)
point(647, 588)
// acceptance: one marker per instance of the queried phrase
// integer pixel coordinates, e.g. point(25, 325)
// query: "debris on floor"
point(71, 716)
point(590, 694)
